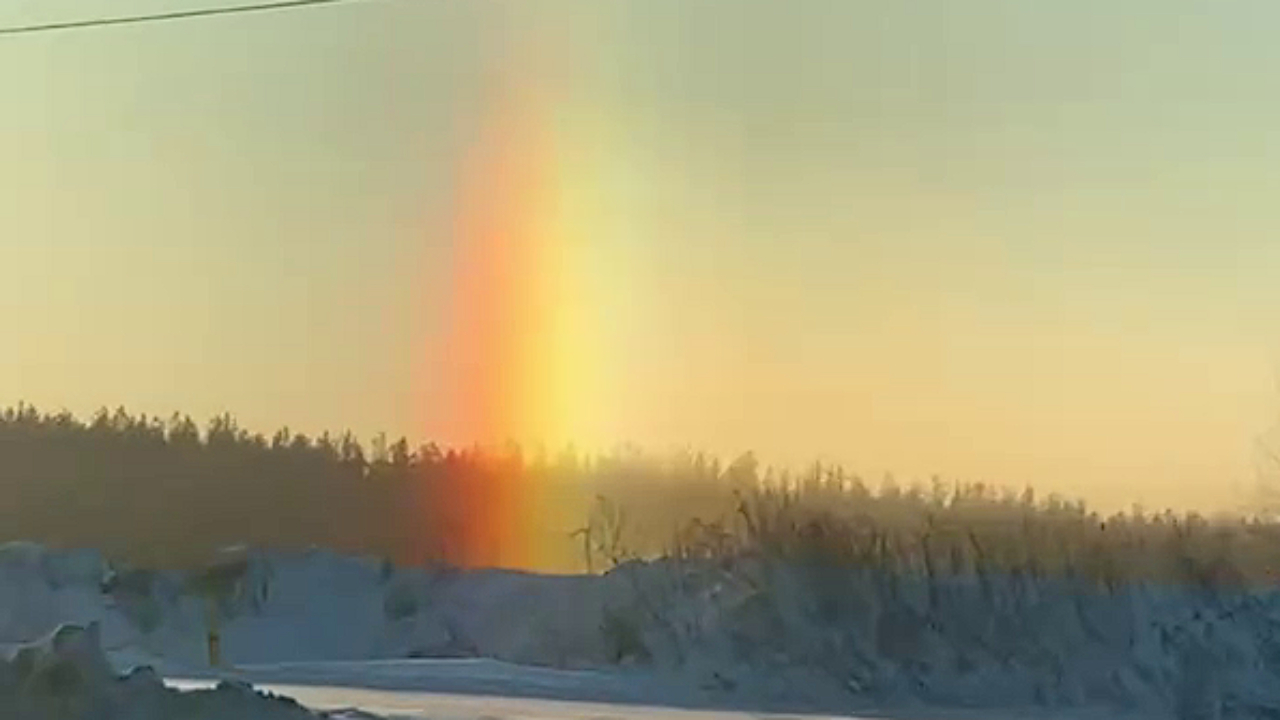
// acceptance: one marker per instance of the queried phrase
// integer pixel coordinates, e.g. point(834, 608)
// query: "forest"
point(167, 492)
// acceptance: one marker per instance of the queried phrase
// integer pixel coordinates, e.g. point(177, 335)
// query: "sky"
point(1007, 241)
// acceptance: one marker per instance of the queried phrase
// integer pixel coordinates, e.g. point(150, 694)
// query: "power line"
point(165, 17)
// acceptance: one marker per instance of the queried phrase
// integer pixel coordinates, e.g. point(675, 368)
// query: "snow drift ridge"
point(749, 629)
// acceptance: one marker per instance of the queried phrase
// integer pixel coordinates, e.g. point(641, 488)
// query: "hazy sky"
point(1009, 241)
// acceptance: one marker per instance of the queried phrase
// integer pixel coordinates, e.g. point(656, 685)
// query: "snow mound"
point(740, 631)
point(66, 676)
point(966, 640)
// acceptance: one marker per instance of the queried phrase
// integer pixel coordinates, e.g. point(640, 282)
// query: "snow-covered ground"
point(366, 687)
point(753, 636)
point(66, 676)
point(410, 705)
point(445, 706)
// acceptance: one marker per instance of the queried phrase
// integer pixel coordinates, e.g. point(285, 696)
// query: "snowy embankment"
point(66, 676)
point(746, 633)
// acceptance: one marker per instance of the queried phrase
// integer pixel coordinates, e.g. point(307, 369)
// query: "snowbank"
point(744, 632)
point(66, 676)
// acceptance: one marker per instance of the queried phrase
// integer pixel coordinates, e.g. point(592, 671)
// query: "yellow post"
point(215, 639)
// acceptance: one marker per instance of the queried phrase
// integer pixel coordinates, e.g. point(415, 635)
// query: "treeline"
point(167, 491)
point(949, 530)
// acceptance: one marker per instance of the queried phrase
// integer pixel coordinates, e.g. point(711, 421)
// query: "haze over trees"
point(165, 492)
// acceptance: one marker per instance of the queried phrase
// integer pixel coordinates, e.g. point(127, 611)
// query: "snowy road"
point(417, 705)
point(479, 689)
point(439, 706)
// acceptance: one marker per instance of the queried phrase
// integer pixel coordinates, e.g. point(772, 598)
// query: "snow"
point(411, 705)
point(442, 706)
point(66, 676)
point(749, 635)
